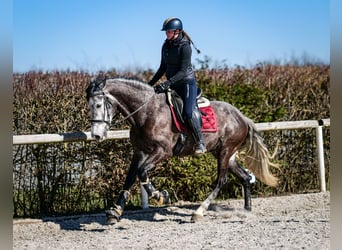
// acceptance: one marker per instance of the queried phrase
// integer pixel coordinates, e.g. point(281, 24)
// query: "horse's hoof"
point(248, 209)
point(166, 195)
point(196, 217)
point(113, 215)
point(160, 201)
point(111, 220)
point(164, 198)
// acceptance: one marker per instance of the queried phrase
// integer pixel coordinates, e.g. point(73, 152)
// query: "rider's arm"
point(160, 72)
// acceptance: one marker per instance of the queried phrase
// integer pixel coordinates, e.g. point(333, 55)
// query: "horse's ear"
point(100, 81)
point(103, 82)
point(96, 84)
point(90, 90)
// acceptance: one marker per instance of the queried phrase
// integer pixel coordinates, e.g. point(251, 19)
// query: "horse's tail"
point(257, 158)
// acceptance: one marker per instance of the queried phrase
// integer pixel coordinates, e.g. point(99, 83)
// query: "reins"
point(134, 112)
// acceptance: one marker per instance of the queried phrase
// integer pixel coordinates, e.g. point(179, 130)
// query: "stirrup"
point(200, 149)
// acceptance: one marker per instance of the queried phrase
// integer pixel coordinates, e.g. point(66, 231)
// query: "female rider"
point(176, 65)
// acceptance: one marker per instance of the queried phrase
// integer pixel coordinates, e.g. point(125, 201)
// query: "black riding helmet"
point(172, 23)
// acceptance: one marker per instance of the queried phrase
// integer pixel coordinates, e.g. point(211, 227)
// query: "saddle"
point(175, 102)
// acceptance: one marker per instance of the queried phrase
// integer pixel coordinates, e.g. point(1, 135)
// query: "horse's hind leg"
point(223, 169)
point(222, 176)
point(198, 214)
point(244, 178)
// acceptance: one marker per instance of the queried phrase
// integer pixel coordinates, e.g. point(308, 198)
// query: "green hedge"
point(69, 178)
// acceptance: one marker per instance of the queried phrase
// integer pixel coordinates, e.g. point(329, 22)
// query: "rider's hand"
point(163, 87)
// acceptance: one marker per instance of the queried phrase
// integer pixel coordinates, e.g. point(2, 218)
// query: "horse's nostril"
point(97, 137)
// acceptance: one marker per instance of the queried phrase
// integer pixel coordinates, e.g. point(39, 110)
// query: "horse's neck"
point(129, 100)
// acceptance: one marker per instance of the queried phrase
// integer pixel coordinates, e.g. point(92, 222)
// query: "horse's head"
point(101, 108)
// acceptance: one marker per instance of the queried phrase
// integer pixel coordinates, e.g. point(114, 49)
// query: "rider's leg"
point(193, 118)
point(194, 124)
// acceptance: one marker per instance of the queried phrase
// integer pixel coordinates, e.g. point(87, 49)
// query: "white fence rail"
point(124, 134)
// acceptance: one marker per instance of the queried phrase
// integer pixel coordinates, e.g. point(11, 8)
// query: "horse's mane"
point(136, 83)
point(98, 83)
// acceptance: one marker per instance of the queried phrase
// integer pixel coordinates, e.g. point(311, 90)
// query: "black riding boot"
point(196, 131)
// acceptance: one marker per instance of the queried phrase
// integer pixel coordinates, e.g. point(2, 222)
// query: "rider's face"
point(172, 34)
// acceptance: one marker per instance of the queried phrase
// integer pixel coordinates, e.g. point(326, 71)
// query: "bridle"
point(106, 104)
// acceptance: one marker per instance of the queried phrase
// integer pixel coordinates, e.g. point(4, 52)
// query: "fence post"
point(320, 152)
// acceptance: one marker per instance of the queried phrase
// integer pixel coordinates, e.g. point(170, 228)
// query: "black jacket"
point(175, 61)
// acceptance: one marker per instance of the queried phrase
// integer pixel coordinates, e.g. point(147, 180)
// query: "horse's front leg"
point(140, 164)
point(149, 162)
point(162, 197)
point(114, 213)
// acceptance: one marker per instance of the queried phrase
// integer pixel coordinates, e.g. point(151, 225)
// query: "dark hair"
point(189, 38)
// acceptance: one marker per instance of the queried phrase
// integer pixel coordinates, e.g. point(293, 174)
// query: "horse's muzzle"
point(98, 138)
point(99, 131)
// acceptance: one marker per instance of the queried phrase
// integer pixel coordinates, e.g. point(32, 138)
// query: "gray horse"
point(154, 137)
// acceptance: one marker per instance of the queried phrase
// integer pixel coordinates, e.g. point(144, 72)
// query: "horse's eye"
point(98, 105)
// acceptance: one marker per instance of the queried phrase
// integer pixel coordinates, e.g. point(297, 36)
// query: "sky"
point(94, 35)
